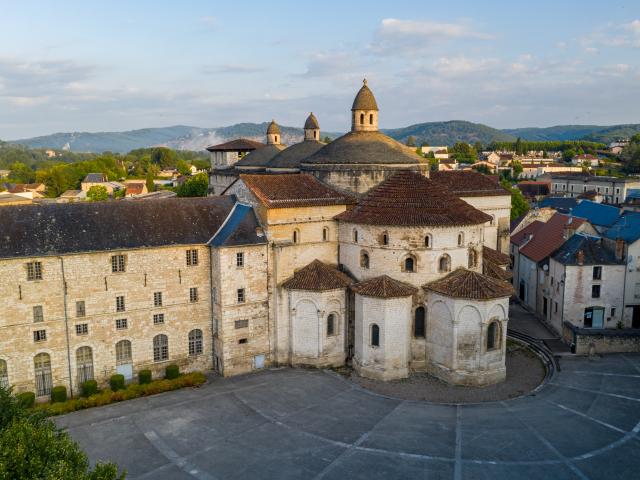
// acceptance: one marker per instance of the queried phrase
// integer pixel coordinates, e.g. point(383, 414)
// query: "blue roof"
point(240, 228)
point(597, 213)
point(626, 228)
point(561, 204)
point(633, 193)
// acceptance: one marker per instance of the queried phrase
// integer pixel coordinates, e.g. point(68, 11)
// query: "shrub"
point(59, 394)
point(117, 382)
point(144, 376)
point(90, 387)
point(26, 399)
point(171, 372)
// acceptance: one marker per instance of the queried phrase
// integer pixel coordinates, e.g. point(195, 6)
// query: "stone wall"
point(600, 341)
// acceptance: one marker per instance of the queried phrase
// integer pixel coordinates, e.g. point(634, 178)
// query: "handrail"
point(551, 362)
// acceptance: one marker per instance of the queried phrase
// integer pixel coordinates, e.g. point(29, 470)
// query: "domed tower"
point(312, 128)
point(364, 112)
point(273, 133)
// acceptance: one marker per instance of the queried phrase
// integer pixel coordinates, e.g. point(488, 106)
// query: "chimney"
point(580, 257)
point(619, 249)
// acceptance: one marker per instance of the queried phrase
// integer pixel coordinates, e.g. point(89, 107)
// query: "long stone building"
point(315, 255)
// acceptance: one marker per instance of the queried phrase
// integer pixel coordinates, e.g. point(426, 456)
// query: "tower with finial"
point(364, 112)
point(273, 134)
point(311, 128)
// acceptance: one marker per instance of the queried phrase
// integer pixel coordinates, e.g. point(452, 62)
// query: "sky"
point(122, 65)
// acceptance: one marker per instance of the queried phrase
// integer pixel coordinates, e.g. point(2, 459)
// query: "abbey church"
point(313, 254)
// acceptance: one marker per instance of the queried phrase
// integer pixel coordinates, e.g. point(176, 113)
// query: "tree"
point(519, 149)
point(464, 151)
point(478, 146)
point(196, 186)
point(630, 155)
point(517, 168)
point(411, 142)
point(98, 193)
point(165, 157)
point(20, 173)
point(31, 446)
point(149, 182)
point(519, 205)
point(183, 167)
point(568, 154)
point(327, 139)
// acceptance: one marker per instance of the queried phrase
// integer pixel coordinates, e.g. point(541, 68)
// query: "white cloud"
point(626, 35)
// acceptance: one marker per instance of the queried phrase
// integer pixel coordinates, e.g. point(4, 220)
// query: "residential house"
point(540, 214)
point(560, 204)
point(133, 189)
point(599, 215)
point(534, 191)
point(72, 196)
point(438, 152)
point(613, 189)
point(586, 159)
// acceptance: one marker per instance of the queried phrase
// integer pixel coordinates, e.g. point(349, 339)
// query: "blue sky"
point(103, 66)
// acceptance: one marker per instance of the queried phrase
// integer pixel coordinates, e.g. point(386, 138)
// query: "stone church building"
point(314, 254)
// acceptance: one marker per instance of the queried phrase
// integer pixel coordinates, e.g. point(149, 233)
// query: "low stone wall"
point(589, 340)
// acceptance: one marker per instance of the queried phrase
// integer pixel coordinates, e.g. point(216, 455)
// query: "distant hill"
point(592, 133)
point(448, 133)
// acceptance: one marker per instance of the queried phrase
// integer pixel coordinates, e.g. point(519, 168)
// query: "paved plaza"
point(292, 423)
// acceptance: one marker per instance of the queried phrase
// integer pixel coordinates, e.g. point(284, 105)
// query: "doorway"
point(523, 291)
point(635, 320)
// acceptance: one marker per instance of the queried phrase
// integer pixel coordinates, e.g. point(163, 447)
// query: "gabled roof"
point(383, 287)
point(241, 227)
point(237, 145)
point(293, 190)
point(496, 271)
point(562, 204)
point(468, 183)
point(550, 236)
point(408, 198)
point(597, 213)
point(95, 178)
point(317, 276)
point(521, 236)
point(463, 283)
point(589, 248)
point(626, 228)
point(495, 256)
point(134, 188)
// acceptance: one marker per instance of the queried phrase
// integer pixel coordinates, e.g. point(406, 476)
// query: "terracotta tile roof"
point(383, 287)
point(495, 271)
point(293, 190)
point(468, 183)
point(317, 276)
point(134, 188)
point(550, 236)
point(237, 145)
point(495, 256)
point(463, 283)
point(531, 229)
point(409, 198)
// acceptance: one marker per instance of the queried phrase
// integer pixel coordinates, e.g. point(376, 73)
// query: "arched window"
point(364, 260)
point(355, 235)
point(4, 374)
point(84, 364)
point(473, 258)
point(427, 241)
point(444, 264)
point(418, 323)
point(42, 367)
point(493, 339)
point(384, 239)
point(195, 342)
point(331, 325)
point(276, 139)
point(375, 335)
point(409, 265)
point(296, 236)
point(315, 134)
point(123, 352)
point(325, 234)
point(160, 348)
point(362, 119)
point(371, 119)
point(460, 239)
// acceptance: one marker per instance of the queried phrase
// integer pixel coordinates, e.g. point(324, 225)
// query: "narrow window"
point(243, 341)
point(325, 234)
point(42, 367)
point(82, 329)
point(296, 236)
point(473, 258)
point(34, 271)
point(157, 299)
point(158, 318)
point(160, 348)
point(123, 352)
point(492, 336)
point(4, 374)
point(121, 324)
point(331, 324)
point(120, 303)
point(117, 263)
point(355, 236)
point(240, 295)
point(276, 139)
point(80, 310)
point(195, 342)
point(371, 119)
point(384, 240)
point(39, 335)
point(375, 335)
point(444, 264)
point(409, 265)
point(460, 239)
point(193, 294)
point(362, 119)
point(418, 324)
point(38, 314)
point(364, 260)
point(240, 259)
point(84, 364)
point(597, 273)
point(427, 241)
point(595, 291)
point(613, 312)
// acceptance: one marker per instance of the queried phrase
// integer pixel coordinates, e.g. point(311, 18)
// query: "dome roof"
point(366, 148)
point(364, 99)
point(311, 123)
point(260, 157)
point(273, 128)
point(291, 156)
point(409, 198)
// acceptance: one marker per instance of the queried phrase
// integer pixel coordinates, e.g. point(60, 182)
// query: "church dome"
point(259, 157)
point(311, 123)
point(290, 157)
point(273, 128)
point(364, 99)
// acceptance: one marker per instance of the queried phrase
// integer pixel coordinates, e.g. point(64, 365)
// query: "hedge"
point(134, 390)
point(26, 399)
point(90, 387)
point(59, 394)
point(171, 372)
point(117, 382)
point(144, 376)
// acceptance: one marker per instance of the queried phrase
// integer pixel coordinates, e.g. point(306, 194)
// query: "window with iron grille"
point(241, 324)
point(38, 314)
point(39, 335)
point(42, 368)
point(34, 271)
point(120, 303)
point(157, 299)
point(193, 294)
point(84, 364)
point(158, 318)
point(195, 342)
point(240, 259)
point(80, 310)
point(240, 294)
point(160, 348)
point(192, 257)
point(82, 329)
point(121, 324)
point(117, 263)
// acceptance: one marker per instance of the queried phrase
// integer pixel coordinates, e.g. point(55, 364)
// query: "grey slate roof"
point(594, 253)
point(291, 156)
point(364, 99)
point(95, 178)
point(54, 228)
point(311, 123)
point(273, 128)
point(260, 157)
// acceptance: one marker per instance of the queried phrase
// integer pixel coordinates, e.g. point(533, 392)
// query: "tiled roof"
point(293, 190)
point(409, 198)
point(562, 204)
point(468, 183)
point(318, 276)
point(495, 256)
point(531, 229)
point(134, 188)
point(311, 123)
point(626, 228)
point(597, 213)
point(364, 99)
point(463, 283)
point(260, 157)
point(496, 271)
point(95, 178)
point(383, 287)
point(550, 236)
point(273, 128)
point(291, 156)
point(592, 251)
point(237, 145)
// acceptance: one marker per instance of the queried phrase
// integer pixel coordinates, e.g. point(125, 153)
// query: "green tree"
point(568, 154)
point(478, 146)
point(327, 139)
point(183, 167)
point(630, 156)
point(196, 186)
point(97, 193)
point(464, 151)
point(151, 187)
point(517, 168)
point(164, 157)
point(519, 205)
point(21, 173)
point(518, 147)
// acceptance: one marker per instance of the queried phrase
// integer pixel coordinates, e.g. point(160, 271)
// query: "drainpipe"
point(214, 331)
point(66, 325)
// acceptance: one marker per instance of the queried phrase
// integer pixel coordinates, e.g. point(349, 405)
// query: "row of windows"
point(410, 264)
point(384, 239)
point(84, 360)
point(584, 188)
point(296, 238)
